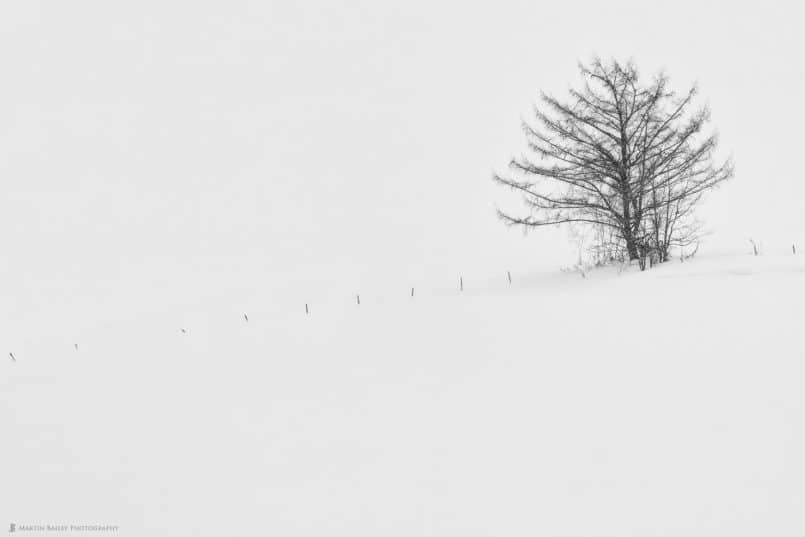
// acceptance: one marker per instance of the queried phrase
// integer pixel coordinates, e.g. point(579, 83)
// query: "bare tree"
point(630, 160)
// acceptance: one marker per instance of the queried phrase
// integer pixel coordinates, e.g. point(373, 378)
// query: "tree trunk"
point(631, 243)
point(626, 226)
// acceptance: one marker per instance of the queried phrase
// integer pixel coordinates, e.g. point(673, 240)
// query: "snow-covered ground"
point(668, 402)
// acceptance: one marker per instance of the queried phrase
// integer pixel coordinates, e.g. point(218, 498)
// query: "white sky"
point(160, 147)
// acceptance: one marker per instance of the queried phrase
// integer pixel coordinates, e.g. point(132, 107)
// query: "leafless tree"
point(630, 160)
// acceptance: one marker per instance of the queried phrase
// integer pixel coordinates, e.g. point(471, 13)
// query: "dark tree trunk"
point(631, 248)
point(628, 238)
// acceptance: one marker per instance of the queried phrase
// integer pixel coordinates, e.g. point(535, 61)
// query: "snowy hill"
point(668, 402)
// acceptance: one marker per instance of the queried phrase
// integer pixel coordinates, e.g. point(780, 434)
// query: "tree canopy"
point(629, 160)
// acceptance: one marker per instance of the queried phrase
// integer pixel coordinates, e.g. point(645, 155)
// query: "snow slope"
point(555, 406)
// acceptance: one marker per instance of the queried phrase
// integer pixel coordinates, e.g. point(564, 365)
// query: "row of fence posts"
point(756, 250)
point(509, 276)
point(460, 288)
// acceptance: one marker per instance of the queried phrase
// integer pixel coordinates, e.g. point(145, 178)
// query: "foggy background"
point(157, 156)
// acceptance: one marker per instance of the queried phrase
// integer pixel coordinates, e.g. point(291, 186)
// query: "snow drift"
point(668, 402)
